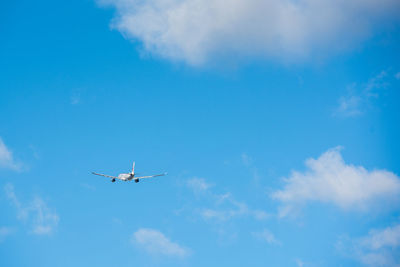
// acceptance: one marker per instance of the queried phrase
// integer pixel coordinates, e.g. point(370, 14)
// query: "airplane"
point(128, 176)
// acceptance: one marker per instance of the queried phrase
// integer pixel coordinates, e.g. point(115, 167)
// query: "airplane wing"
point(112, 177)
point(150, 176)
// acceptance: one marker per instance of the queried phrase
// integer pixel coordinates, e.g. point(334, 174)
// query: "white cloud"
point(75, 99)
point(10, 194)
point(4, 232)
point(377, 239)
point(198, 184)
point(267, 236)
point(358, 101)
point(380, 247)
point(329, 179)
point(195, 30)
point(248, 162)
point(231, 209)
point(299, 262)
point(349, 106)
point(155, 242)
point(238, 209)
point(221, 207)
point(6, 158)
point(42, 219)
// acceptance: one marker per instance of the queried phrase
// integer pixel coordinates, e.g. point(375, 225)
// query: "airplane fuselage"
point(127, 177)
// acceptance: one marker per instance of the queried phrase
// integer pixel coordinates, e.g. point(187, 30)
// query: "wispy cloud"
point(75, 99)
point(196, 31)
point(198, 184)
point(223, 207)
point(248, 162)
point(350, 105)
point(76, 96)
point(43, 221)
point(5, 231)
point(156, 243)
point(267, 236)
point(227, 208)
point(6, 158)
point(380, 247)
point(358, 101)
point(330, 180)
point(299, 263)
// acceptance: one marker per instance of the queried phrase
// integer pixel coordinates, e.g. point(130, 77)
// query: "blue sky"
point(277, 122)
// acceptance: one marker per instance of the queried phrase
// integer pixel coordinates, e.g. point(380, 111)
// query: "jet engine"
point(136, 180)
point(113, 180)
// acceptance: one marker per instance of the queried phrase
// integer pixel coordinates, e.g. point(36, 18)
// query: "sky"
point(278, 122)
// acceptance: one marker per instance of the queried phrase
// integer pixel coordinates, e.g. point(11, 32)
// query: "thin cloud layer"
point(357, 103)
point(267, 236)
point(43, 221)
point(6, 158)
point(194, 31)
point(380, 247)
point(227, 208)
point(4, 232)
point(198, 184)
point(155, 242)
point(224, 206)
point(329, 179)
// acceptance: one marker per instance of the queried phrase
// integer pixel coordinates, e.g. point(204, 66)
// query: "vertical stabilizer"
point(133, 168)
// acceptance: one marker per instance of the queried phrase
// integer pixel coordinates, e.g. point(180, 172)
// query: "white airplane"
point(129, 176)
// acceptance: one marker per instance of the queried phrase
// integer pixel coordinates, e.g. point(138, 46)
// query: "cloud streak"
point(156, 243)
point(7, 160)
point(198, 185)
point(194, 31)
point(356, 103)
point(224, 206)
point(227, 208)
point(329, 179)
point(267, 236)
point(4, 232)
point(43, 221)
point(380, 247)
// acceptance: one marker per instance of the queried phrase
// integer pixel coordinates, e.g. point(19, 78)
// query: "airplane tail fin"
point(133, 168)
